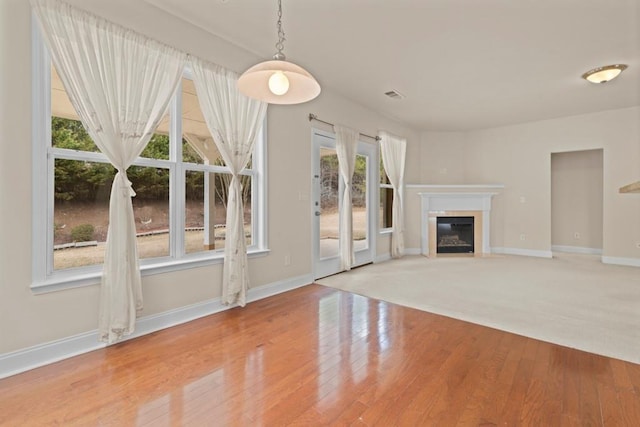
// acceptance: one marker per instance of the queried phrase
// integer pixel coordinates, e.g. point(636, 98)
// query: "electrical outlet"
point(523, 199)
point(287, 260)
point(523, 237)
point(576, 235)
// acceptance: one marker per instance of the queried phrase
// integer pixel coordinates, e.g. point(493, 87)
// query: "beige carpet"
point(571, 300)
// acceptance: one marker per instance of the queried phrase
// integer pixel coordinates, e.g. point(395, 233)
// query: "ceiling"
point(462, 64)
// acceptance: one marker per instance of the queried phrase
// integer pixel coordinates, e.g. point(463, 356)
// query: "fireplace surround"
point(436, 205)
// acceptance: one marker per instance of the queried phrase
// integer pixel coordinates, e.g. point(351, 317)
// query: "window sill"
point(385, 231)
point(92, 275)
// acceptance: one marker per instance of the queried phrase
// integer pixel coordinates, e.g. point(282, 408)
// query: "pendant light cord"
point(280, 44)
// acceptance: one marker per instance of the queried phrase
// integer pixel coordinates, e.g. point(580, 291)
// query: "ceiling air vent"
point(394, 94)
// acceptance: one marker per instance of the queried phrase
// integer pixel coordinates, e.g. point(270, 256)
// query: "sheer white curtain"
point(120, 84)
point(346, 147)
point(394, 149)
point(234, 121)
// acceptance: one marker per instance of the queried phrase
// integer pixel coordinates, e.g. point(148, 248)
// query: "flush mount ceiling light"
point(279, 81)
point(604, 74)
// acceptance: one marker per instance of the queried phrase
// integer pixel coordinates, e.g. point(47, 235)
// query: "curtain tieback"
point(125, 185)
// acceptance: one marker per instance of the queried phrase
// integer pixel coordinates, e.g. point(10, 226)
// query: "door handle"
point(317, 213)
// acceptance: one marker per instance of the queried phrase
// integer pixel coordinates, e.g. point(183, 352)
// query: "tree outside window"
point(82, 178)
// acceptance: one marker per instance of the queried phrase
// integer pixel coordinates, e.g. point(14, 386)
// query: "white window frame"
point(44, 277)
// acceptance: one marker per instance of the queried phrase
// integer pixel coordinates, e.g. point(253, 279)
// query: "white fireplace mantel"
point(456, 201)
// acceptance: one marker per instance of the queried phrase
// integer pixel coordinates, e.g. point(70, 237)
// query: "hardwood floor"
point(319, 356)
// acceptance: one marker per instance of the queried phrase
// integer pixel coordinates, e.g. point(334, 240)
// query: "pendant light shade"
point(279, 81)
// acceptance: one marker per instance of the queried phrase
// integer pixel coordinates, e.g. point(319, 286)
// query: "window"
point(386, 200)
point(180, 180)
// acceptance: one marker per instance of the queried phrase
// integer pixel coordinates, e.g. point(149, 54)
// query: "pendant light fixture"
point(279, 81)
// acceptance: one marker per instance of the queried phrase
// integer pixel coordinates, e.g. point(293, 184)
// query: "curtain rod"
point(314, 117)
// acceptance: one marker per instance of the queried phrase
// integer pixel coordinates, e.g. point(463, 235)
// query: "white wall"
point(519, 157)
point(444, 159)
point(27, 319)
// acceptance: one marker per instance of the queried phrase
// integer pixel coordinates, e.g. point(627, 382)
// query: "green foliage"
point(149, 183)
point(189, 154)
point(70, 134)
point(77, 180)
point(81, 181)
point(82, 233)
point(359, 182)
point(157, 148)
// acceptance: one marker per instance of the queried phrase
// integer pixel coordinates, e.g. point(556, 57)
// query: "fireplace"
point(436, 205)
point(454, 235)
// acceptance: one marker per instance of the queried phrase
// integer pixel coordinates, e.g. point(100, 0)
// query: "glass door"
point(328, 188)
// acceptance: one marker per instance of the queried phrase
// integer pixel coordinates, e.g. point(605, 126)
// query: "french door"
point(326, 200)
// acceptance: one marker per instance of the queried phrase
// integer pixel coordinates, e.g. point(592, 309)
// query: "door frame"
point(331, 265)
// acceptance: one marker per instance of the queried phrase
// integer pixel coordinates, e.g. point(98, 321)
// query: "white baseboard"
point(387, 257)
point(576, 250)
point(630, 262)
point(278, 287)
point(522, 252)
point(382, 258)
point(412, 251)
point(54, 351)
